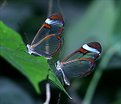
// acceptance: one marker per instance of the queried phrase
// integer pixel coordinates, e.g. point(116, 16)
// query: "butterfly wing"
point(89, 50)
point(53, 25)
point(92, 50)
point(78, 67)
point(47, 41)
point(48, 46)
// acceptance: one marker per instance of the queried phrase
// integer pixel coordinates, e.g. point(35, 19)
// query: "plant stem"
point(48, 94)
point(92, 87)
point(50, 5)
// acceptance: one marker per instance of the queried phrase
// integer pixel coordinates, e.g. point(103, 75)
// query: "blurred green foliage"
point(99, 23)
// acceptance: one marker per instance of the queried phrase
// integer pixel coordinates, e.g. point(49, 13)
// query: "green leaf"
point(14, 51)
point(56, 82)
point(54, 78)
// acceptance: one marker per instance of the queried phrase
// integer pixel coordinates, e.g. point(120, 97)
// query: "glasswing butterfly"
point(80, 62)
point(48, 41)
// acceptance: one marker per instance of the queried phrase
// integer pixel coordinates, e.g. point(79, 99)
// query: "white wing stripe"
point(88, 48)
point(50, 22)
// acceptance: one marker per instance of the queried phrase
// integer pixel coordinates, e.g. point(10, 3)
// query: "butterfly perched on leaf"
point(47, 41)
point(80, 62)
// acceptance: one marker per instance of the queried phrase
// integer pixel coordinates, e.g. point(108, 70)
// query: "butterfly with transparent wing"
point(80, 62)
point(48, 40)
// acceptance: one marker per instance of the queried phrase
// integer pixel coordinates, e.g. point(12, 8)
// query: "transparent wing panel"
point(73, 56)
point(49, 46)
point(43, 32)
point(78, 68)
